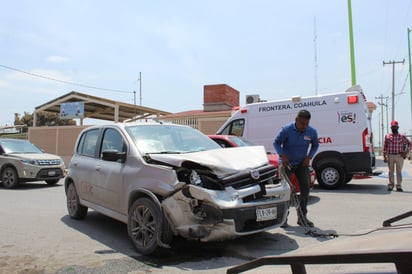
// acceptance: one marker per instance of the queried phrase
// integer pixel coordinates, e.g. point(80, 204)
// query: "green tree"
point(43, 119)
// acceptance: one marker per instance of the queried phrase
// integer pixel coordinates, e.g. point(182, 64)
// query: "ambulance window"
point(236, 127)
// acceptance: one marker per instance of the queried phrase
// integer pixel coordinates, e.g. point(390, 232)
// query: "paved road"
point(37, 236)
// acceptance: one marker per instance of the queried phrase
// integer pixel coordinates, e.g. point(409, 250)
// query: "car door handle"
point(98, 168)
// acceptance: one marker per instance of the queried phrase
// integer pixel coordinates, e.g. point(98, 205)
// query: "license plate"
point(266, 213)
point(51, 173)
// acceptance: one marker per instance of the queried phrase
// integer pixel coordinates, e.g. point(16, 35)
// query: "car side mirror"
point(114, 156)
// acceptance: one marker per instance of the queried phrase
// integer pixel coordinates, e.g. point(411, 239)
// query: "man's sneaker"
point(399, 189)
point(308, 222)
point(390, 188)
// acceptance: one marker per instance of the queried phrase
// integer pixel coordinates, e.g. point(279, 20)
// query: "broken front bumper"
point(209, 215)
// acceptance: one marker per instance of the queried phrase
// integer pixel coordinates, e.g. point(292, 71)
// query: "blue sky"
point(257, 47)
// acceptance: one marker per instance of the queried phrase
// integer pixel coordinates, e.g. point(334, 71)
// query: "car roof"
point(124, 125)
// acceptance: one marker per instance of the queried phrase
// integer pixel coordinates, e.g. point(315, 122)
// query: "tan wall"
point(211, 125)
point(206, 124)
point(56, 140)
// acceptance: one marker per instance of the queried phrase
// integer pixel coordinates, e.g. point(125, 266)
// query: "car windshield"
point(19, 146)
point(169, 139)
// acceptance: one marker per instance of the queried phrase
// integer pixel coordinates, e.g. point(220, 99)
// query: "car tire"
point(52, 182)
point(330, 175)
point(9, 177)
point(146, 226)
point(75, 209)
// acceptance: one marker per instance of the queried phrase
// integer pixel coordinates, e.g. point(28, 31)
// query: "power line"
point(61, 81)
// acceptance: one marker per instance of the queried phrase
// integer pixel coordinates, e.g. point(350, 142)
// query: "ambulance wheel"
point(330, 175)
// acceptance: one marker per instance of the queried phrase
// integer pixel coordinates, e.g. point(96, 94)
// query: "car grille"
point(244, 179)
point(54, 162)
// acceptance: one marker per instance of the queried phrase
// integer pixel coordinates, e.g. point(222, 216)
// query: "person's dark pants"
point(303, 176)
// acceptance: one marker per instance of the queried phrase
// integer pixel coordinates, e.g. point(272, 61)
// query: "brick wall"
point(219, 97)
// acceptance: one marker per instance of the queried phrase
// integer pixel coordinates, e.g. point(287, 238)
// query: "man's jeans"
point(303, 176)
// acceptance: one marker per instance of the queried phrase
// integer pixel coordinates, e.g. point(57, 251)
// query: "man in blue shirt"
point(292, 144)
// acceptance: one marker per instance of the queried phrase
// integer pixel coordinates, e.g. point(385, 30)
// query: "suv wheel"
point(145, 226)
point(9, 177)
point(75, 209)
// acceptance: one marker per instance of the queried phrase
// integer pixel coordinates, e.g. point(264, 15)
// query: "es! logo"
point(347, 117)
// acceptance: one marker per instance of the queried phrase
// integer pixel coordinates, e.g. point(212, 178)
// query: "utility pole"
point(387, 116)
point(382, 105)
point(134, 100)
point(140, 82)
point(393, 63)
point(140, 88)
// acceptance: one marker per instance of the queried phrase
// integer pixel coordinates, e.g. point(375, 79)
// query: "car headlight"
point(30, 162)
point(194, 178)
point(189, 176)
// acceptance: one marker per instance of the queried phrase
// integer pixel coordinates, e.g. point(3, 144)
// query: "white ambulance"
point(343, 125)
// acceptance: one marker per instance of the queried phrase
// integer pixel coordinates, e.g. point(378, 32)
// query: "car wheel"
point(75, 209)
point(52, 182)
point(9, 177)
point(330, 175)
point(146, 225)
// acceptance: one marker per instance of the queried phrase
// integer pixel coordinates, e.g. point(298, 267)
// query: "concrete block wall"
point(56, 140)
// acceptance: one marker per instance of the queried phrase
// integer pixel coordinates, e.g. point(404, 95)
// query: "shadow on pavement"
point(113, 234)
point(31, 185)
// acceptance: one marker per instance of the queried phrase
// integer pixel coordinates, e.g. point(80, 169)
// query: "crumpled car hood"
point(223, 162)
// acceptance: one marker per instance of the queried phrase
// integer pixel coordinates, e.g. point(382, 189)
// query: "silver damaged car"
point(169, 180)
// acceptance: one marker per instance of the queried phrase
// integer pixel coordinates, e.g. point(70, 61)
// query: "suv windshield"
point(19, 146)
point(169, 139)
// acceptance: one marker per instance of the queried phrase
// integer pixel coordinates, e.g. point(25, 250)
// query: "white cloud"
point(3, 83)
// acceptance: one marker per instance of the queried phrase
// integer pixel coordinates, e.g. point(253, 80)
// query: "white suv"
point(168, 180)
point(21, 161)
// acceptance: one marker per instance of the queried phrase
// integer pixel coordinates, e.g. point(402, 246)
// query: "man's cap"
point(304, 114)
point(394, 123)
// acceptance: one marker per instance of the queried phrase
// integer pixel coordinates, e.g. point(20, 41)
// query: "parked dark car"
point(170, 180)
point(236, 141)
point(21, 161)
